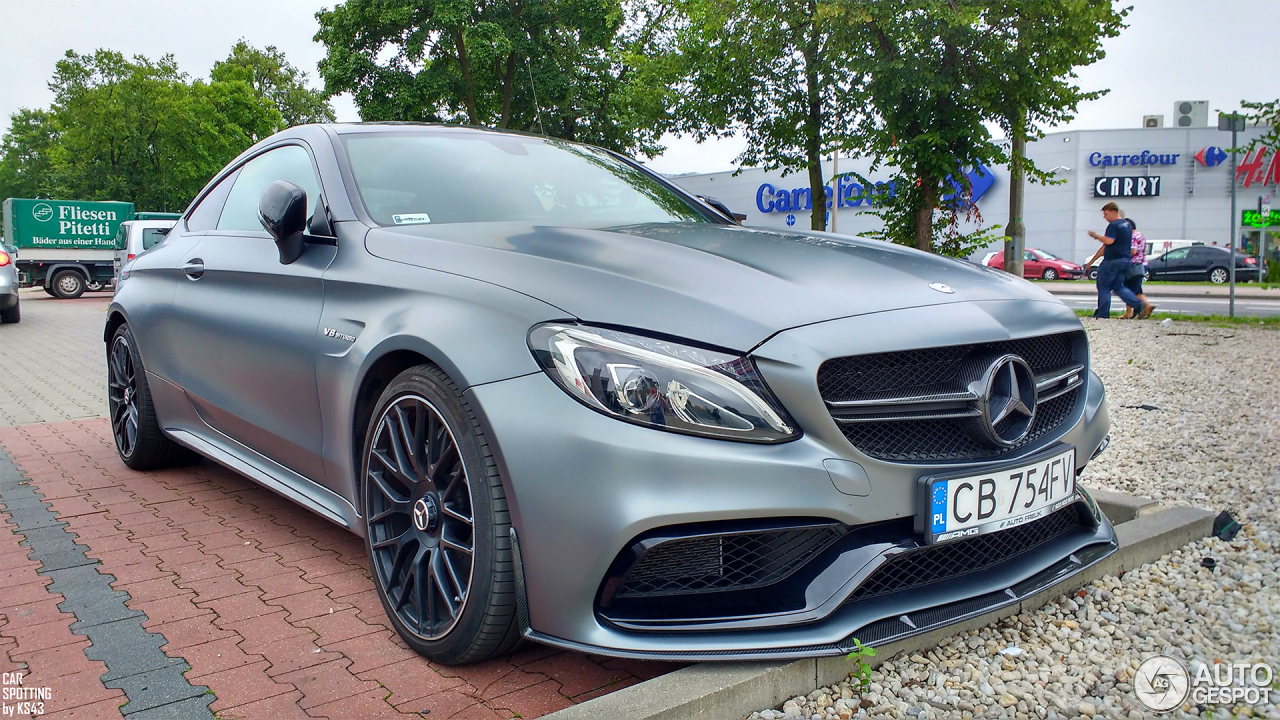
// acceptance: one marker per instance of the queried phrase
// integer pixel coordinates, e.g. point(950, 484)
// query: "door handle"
point(194, 268)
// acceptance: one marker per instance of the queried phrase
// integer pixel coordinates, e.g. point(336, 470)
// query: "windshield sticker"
point(411, 219)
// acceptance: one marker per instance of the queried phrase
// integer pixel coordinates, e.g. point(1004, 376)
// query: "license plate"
point(957, 507)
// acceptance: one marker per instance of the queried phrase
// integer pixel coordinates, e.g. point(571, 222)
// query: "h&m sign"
point(1133, 186)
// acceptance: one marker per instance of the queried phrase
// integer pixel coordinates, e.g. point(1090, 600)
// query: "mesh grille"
point(725, 562)
point(935, 563)
point(939, 370)
point(938, 440)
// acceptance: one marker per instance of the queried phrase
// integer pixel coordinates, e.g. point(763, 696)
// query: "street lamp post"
point(1235, 123)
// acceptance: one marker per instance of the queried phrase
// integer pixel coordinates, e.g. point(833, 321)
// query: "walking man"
point(1116, 258)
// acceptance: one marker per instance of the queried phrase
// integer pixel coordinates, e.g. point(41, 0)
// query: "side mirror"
point(283, 212)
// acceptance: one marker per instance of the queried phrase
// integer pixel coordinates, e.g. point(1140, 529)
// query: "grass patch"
point(1169, 283)
point(1215, 320)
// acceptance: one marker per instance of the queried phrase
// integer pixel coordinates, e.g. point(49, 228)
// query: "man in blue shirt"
point(1116, 257)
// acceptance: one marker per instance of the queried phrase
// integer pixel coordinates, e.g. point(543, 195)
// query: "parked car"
point(1160, 247)
point(582, 407)
point(10, 307)
point(1040, 264)
point(137, 236)
point(1202, 262)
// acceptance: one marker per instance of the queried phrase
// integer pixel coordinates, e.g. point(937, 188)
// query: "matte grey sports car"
point(564, 400)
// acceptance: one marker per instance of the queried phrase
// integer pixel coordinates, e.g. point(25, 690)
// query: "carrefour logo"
point(42, 212)
point(1211, 156)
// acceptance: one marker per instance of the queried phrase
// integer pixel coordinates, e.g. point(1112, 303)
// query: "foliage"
point(275, 81)
point(1264, 113)
point(142, 131)
point(860, 654)
point(896, 208)
point(596, 71)
point(776, 72)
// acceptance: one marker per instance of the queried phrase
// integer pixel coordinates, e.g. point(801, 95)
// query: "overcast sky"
point(1215, 50)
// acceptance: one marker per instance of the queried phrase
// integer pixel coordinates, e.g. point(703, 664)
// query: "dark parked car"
point(1037, 264)
point(1201, 262)
point(563, 400)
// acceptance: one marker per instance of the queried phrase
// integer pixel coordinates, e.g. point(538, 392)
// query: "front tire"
point(1218, 276)
point(139, 440)
point(1050, 274)
point(437, 527)
point(68, 285)
point(93, 286)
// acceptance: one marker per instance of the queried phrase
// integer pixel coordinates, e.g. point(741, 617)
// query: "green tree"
point(276, 81)
point(1034, 49)
point(785, 75)
point(596, 71)
point(130, 129)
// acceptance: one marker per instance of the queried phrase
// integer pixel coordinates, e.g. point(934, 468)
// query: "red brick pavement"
point(271, 605)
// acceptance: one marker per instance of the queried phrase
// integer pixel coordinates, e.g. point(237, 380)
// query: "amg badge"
point(330, 332)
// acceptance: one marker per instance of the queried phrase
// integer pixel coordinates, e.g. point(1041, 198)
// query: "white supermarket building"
point(1174, 182)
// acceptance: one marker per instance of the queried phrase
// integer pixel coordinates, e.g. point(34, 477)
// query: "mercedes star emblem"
point(1008, 401)
point(421, 515)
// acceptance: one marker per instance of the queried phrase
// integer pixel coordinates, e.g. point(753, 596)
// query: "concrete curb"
point(730, 691)
point(1088, 290)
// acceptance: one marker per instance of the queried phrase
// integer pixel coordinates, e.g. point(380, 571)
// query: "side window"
point(290, 162)
point(1178, 254)
point(121, 234)
point(1028, 255)
point(151, 236)
point(205, 215)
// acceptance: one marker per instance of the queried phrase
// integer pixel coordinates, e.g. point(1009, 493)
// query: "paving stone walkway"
point(271, 606)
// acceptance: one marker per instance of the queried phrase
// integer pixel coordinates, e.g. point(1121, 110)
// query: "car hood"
point(724, 285)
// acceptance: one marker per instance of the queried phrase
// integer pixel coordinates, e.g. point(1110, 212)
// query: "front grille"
point(720, 563)
point(902, 438)
point(936, 563)
point(942, 440)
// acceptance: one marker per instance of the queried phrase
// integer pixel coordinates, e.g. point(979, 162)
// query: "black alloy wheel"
point(122, 395)
point(140, 442)
point(421, 525)
point(438, 530)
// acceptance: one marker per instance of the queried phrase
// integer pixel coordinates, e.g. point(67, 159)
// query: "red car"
point(1040, 264)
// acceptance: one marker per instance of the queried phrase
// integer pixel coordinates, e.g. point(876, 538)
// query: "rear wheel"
point(1093, 273)
point(438, 530)
point(13, 314)
point(1218, 275)
point(93, 286)
point(139, 441)
point(68, 284)
point(1050, 274)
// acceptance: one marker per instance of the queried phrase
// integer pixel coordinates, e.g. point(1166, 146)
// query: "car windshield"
point(450, 177)
point(1046, 256)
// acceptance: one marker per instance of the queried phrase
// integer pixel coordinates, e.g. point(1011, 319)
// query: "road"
point(1192, 306)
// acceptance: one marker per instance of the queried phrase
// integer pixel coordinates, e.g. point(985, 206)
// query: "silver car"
point(10, 307)
point(565, 401)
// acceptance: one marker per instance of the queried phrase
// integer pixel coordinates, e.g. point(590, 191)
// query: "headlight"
point(662, 384)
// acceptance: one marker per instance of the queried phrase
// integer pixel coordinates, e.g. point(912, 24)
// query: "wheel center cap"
point(426, 514)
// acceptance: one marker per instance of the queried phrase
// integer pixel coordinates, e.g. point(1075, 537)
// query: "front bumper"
point(582, 487)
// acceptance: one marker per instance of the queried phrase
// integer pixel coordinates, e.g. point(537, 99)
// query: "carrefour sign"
point(1146, 157)
point(849, 193)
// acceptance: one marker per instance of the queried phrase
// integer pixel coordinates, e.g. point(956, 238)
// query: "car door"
point(1197, 264)
point(251, 323)
point(1032, 265)
point(1169, 266)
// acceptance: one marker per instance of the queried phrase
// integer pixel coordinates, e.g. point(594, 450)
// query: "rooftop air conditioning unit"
point(1150, 121)
point(1191, 113)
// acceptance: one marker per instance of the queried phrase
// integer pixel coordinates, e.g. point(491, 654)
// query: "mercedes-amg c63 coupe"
point(563, 400)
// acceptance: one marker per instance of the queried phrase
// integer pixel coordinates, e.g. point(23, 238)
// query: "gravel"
point(1195, 420)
